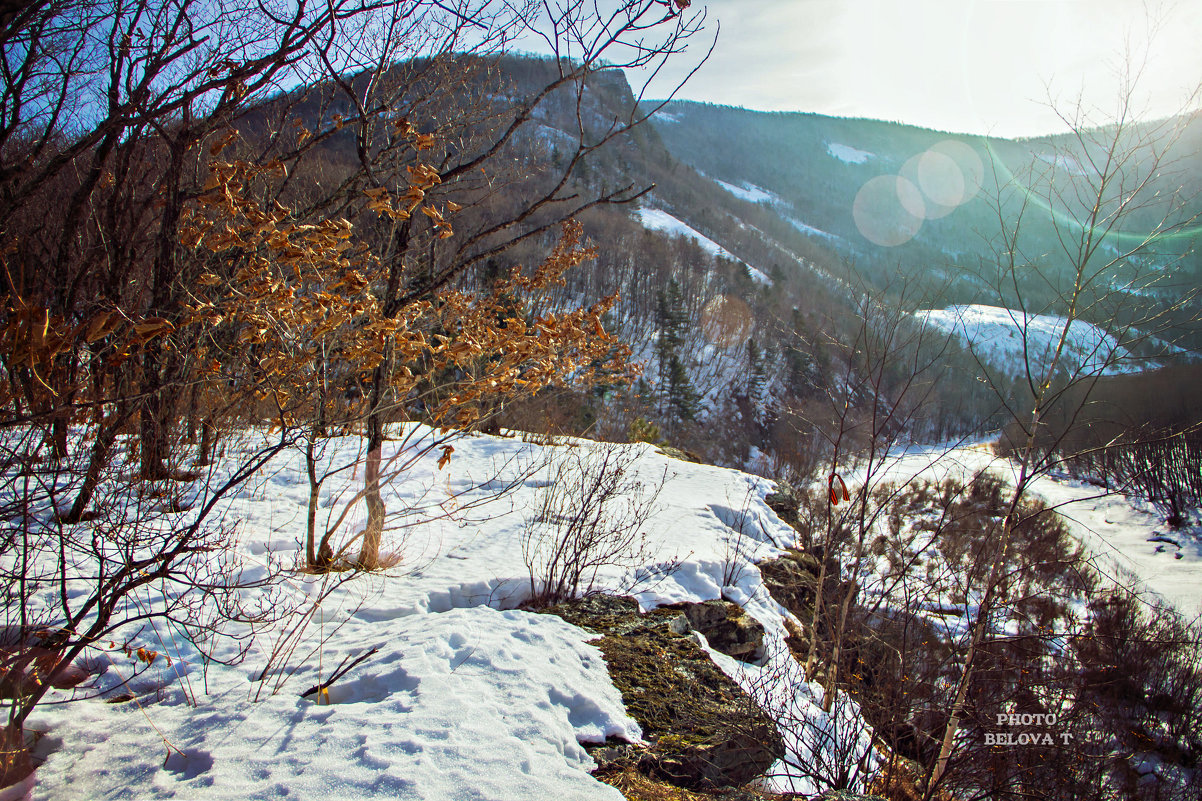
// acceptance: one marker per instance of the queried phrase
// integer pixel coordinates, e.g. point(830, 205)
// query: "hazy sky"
point(974, 66)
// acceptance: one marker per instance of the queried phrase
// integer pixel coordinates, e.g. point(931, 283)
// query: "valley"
point(390, 411)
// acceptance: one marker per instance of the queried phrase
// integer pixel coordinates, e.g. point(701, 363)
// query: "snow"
point(749, 192)
point(807, 747)
point(809, 229)
point(1007, 338)
point(759, 276)
point(549, 136)
point(1125, 536)
point(848, 154)
point(467, 697)
point(1063, 162)
point(658, 220)
point(476, 704)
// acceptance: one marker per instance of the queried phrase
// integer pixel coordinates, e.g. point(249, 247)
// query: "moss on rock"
point(703, 730)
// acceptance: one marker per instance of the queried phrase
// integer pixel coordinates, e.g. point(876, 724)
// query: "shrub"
point(590, 516)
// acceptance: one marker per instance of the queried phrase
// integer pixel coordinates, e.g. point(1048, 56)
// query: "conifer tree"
point(679, 401)
point(757, 378)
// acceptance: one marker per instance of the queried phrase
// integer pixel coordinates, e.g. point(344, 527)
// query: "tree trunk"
point(832, 677)
point(314, 558)
point(58, 437)
point(208, 435)
point(152, 434)
point(153, 442)
point(953, 722)
point(102, 448)
point(369, 552)
point(15, 764)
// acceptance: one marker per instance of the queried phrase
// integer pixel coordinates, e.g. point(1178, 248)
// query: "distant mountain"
point(744, 266)
point(944, 222)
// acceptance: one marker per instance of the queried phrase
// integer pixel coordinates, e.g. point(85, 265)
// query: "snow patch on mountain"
point(750, 192)
point(654, 219)
point(848, 154)
point(1011, 340)
point(1066, 163)
point(659, 220)
point(662, 221)
point(810, 230)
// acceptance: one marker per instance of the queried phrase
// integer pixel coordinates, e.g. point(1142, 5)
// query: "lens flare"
point(948, 175)
point(938, 179)
point(726, 321)
point(972, 169)
point(889, 210)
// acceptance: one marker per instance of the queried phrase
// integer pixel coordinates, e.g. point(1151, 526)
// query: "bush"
point(644, 431)
point(590, 516)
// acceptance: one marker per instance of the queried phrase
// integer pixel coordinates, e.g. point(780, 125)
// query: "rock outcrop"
point(702, 729)
point(727, 628)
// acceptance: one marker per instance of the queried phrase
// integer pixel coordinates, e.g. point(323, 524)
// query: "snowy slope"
point(848, 154)
point(658, 220)
point(467, 696)
point(809, 229)
point(1126, 538)
point(1010, 340)
point(750, 192)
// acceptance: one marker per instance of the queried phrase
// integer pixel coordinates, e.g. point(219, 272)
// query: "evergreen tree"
point(683, 400)
point(679, 401)
point(757, 377)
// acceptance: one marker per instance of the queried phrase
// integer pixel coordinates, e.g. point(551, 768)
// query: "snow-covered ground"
point(809, 229)
point(848, 154)
point(750, 192)
point(1010, 340)
point(659, 220)
point(467, 696)
point(1129, 542)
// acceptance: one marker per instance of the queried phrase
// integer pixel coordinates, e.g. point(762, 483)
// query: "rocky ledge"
point(702, 730)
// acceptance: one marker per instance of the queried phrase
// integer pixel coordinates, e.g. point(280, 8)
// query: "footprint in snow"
point(189, 764)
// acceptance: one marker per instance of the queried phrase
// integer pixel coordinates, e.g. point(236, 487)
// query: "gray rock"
point(703, 730)
point(727, 628)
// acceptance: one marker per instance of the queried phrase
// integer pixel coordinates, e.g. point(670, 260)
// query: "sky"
point(999, 67)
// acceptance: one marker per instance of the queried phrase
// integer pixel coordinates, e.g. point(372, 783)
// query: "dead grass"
point(900, 780)
point(638, 787)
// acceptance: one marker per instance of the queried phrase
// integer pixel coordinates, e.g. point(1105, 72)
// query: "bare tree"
point(118, 120)
point(1108, 201)
point(415, 262)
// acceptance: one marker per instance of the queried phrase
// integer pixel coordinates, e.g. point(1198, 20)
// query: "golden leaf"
point(98, 327)
point(222, 143)
point(447, 450)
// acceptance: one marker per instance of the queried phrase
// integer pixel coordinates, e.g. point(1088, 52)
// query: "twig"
point(339, 672)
